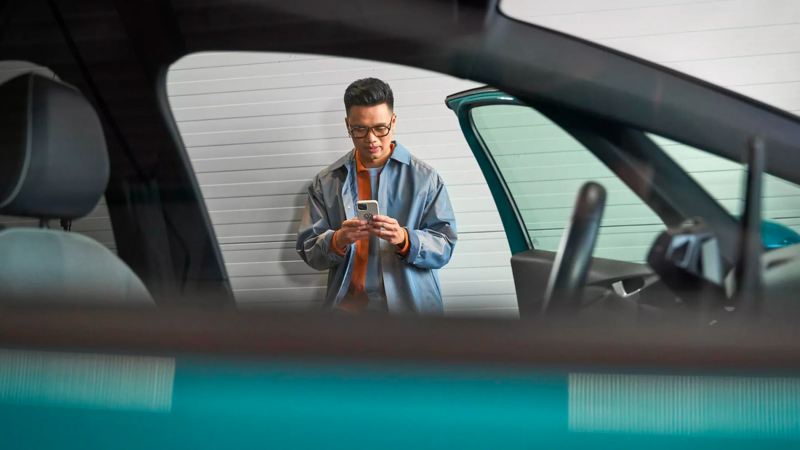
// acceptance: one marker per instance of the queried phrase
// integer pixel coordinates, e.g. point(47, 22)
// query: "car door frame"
point(670, 192)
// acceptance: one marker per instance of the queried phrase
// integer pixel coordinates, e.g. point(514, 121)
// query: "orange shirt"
point(356, 300)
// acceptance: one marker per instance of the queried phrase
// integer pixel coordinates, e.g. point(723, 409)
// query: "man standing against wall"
point(388, 263)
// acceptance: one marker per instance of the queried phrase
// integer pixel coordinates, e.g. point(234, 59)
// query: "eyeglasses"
point(359, 131)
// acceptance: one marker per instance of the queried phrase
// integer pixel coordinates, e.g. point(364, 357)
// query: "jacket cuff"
point(414, 246)
point(327, 242)
point(332, 245)
point(404, 248)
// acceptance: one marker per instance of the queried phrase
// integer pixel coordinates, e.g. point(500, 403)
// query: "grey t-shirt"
point(374, 282)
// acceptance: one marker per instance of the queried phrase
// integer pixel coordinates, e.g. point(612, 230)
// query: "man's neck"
point(374, 163)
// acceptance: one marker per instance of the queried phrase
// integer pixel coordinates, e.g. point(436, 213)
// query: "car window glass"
point(544, 167)
point(258, 126)
point(724, 179)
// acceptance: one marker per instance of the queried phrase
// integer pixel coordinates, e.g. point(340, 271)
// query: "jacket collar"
point(399, 154)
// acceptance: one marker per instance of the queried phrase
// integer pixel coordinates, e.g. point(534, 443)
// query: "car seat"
point(54, 165)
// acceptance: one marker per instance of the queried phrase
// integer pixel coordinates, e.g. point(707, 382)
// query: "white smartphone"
point(365, 209)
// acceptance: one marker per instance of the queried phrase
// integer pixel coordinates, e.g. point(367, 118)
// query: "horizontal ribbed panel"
point(684, 405)
point(115, 382)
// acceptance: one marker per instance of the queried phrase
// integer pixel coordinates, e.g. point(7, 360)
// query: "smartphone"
point(365, 209)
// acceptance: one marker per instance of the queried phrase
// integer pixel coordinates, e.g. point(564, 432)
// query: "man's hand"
point(388, 229)
point(352, 230)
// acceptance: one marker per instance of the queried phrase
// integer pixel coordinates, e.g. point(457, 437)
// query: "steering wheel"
point(571, 264)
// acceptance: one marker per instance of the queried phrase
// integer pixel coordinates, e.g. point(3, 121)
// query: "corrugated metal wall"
point(749, 46)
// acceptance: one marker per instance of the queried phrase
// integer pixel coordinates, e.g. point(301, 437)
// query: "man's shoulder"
point(339, 164)
point(418, 164)
point(403, 155)
point(422, 168)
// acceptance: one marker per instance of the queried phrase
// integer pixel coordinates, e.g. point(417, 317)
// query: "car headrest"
point(53, 157)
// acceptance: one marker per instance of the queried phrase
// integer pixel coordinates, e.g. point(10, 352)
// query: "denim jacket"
point(409, 191)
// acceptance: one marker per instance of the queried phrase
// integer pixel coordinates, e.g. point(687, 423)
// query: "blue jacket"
point(409, 191)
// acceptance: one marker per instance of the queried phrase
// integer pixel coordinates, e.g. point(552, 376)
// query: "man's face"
point(365, 125)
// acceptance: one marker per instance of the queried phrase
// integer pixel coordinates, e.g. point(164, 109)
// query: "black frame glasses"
point(360, 132)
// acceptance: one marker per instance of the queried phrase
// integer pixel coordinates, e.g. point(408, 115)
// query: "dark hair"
point(368, 92)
